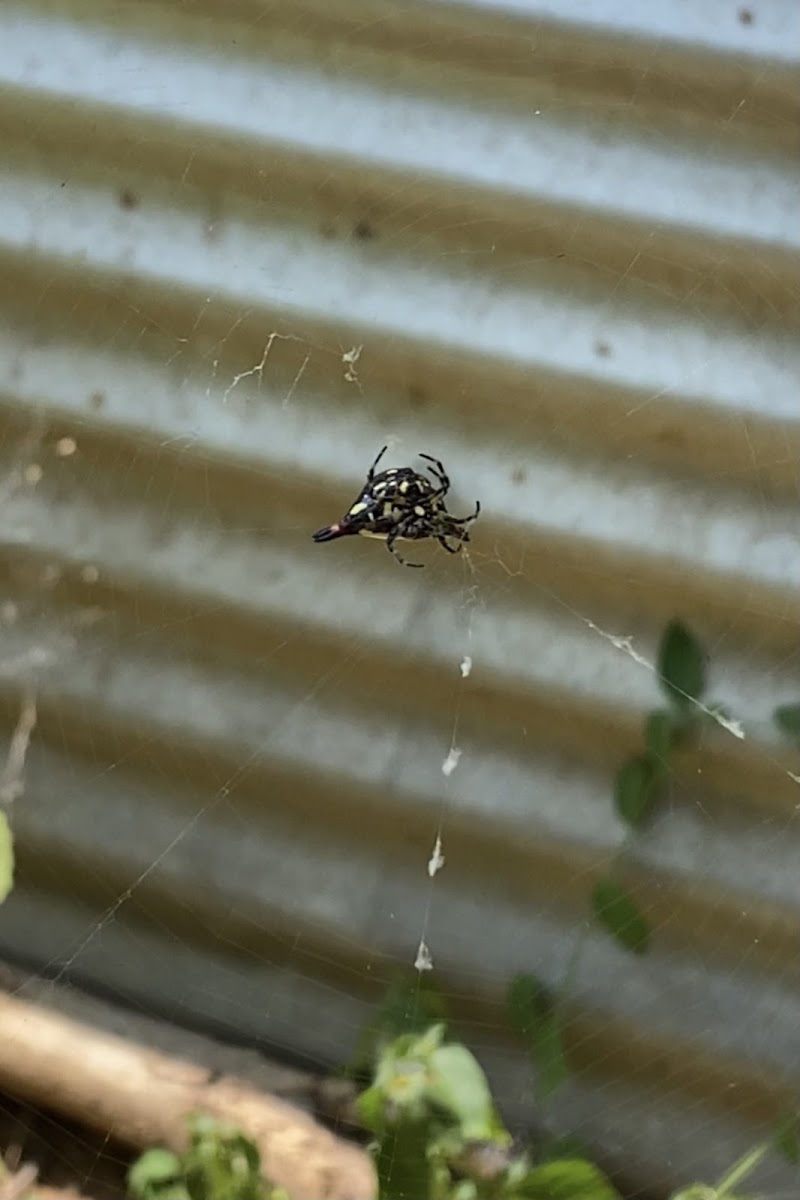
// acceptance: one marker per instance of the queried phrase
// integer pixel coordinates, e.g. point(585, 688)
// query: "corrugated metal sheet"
point(554, 244)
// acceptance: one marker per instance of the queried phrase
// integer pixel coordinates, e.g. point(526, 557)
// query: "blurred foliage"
point(6, 857)
point(438, 1135)
point(533, 1015)
point(220, 1163)
point(409, 1005)
point(787, 717)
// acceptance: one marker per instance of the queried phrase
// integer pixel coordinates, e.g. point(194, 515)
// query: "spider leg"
point(371, 472)
point(454, 527)
point(390, 541)
point(439, 474)
point(471, 517)
point(436, 462)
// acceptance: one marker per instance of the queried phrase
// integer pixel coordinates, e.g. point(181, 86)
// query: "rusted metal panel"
point(554, 245)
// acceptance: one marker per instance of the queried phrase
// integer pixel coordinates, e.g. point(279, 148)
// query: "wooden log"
point(142, 1097)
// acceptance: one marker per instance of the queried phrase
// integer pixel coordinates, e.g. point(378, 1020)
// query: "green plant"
point(534, 1015)
point(438, 1136)
point(12, 787)
point(410, 1005)
point(787, 718)
point(785, 1139)
point(681, 671)
point(534, 1010)
point(219, 1163)
point(6, 857)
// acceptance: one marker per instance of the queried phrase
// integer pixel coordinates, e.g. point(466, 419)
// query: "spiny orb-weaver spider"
point(400, 504)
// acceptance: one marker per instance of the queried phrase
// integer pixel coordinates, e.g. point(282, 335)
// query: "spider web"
point(252, 779)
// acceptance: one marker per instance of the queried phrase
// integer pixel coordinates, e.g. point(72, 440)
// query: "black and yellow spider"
point(400, 504)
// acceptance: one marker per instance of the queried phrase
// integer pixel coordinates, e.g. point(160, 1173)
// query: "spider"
point(401, 504)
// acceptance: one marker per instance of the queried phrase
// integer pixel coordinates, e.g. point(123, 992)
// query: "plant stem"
point(742, 1168)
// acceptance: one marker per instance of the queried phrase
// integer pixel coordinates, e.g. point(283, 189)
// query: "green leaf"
point(552, 1071)
point(370, 1106)
point(787, 717)
point(6, 857)
point(166, 1191)
point(458, 1084)
point(403, 1082)
point(527, 1000)
point(681, 664)
point(564, 1179)
point(662, 730)
point(531, 1009)
point(402, 1079)
point(465, 1189)
point(243, 1154)
point(220, 1162)
point(401, 1161)
point(424, 1045)
point(620, 915)
point(635, 789)
point(157, 1173)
